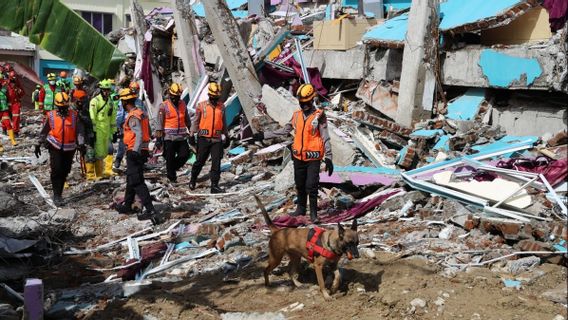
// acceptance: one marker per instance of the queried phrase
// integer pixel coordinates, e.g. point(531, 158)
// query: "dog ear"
point(340, 230)
point(354, 225)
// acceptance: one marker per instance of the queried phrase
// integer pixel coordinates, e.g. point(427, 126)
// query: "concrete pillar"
point(185, 29)
point(418, 46)
point(235, 55)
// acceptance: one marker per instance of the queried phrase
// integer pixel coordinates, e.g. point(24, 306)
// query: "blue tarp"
point(466, 106)
point(493, 64)
point(453, 14)
point(232, 4)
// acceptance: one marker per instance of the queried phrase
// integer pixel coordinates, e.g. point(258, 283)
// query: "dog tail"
point(265, 214)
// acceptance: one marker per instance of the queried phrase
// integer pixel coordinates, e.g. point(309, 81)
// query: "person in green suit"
point(103, 115)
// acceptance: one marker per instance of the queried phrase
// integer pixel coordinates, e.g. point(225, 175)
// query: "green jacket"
point(3, 100)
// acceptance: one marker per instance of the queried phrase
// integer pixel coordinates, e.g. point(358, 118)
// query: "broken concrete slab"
point(381, 123)
point(380, 95)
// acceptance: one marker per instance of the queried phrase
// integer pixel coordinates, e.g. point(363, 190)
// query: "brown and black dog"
point(292, 241)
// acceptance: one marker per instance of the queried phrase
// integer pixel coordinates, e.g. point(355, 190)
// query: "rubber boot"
point(12, 137)
point(99, 167)
point(314, 210)
point(107, 173)
point(301, 203)
point(125, 209)
point(90, 171)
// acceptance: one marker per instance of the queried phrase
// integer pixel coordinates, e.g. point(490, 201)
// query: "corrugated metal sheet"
point(16, 43)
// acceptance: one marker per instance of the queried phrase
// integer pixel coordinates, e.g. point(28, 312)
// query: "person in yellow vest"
point(172, 128)
point(103, 114)
point(35, 96)
point(136, 130)
point(209, 125)
point(311, 145)
point(62, 134)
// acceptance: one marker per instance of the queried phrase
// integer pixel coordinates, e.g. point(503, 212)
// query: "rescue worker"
point(35, 96)
point(137, 139)
point(311, 146)
point(209, 125)
point(15, 95)
point(103, 115)
point(5, 115)
point(172, 131)
point(120, 116)
point(80, 102)
point(47, 94)
point(64, 82)
point(62, 133)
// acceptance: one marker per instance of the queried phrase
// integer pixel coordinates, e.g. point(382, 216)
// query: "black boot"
point(301, 203)
point(147, 214)
point(58, 200)
point(300, 211)
point(216, 189)
point(193, 181)
point(158, 219)
point(124, 208)
point(314, 209)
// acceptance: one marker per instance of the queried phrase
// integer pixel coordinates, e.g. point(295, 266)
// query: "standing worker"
point(5, 114)
point(80, 103)
point(120, 116)
point(103, 115)
point(15, 95)
point(35, 96)
point(47, 94)
point(63, 133)
point(311, 145)
point(137, 139)
point(172, 129)
point(209, 124)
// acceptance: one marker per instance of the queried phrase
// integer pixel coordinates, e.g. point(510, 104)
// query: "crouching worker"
point(136, 138)
point(62, 133)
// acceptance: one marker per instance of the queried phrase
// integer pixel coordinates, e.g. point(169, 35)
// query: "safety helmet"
point(38, 86)
point(12, 74)
point(111, 81)
point(51, 76)
point(134, 86)
point(105, 84)
point(63, 74)
point(214, 90)
point(175, 89)
point(127, 94)
point(61, 99)
point(79, 94)
point(8, 67)
point(77, 80)
point(306, 93)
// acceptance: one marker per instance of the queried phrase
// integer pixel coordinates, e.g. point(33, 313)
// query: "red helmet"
point(8, 67)
point(12, 74)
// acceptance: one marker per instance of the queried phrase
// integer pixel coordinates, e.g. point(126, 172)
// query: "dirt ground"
point(380, 288)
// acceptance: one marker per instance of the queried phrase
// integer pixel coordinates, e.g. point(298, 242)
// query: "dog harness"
point(314, 245)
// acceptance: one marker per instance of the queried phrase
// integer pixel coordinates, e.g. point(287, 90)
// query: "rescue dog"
point(295, 243)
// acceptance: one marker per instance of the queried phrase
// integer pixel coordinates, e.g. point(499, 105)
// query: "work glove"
point(192, 140)
point(37, 150)
point(328, 166)
point(259, 136)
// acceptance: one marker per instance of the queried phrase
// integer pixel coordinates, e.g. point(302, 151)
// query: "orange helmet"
point(63, 74)
point(79, 94)
point(61, 99)
point(134, 86)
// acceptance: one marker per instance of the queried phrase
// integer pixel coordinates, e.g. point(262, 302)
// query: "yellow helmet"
point(306, 93)
point(61, 99)
point(127, 94)
point(51, 76)
point(214, 90)
point(77, 80)
point(175, 89)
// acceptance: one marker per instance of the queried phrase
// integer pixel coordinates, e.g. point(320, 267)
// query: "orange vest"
point(211, 123)
point(129, 136)
point(175, 119)
point(62, 131)
point(308, 143)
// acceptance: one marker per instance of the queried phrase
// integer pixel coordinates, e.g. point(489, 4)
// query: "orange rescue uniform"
point(63, 131)
point(308, 143)
point(130, 136)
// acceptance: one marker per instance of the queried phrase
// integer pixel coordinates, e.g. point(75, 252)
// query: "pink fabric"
point(146, 73)
point(555, 171)
point(358, 210)
point(558, 13)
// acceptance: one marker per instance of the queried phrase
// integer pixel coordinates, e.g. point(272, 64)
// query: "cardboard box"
point(340, 34)
point(531, 27)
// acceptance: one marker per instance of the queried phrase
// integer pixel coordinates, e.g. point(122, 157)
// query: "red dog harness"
point(314, 245)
